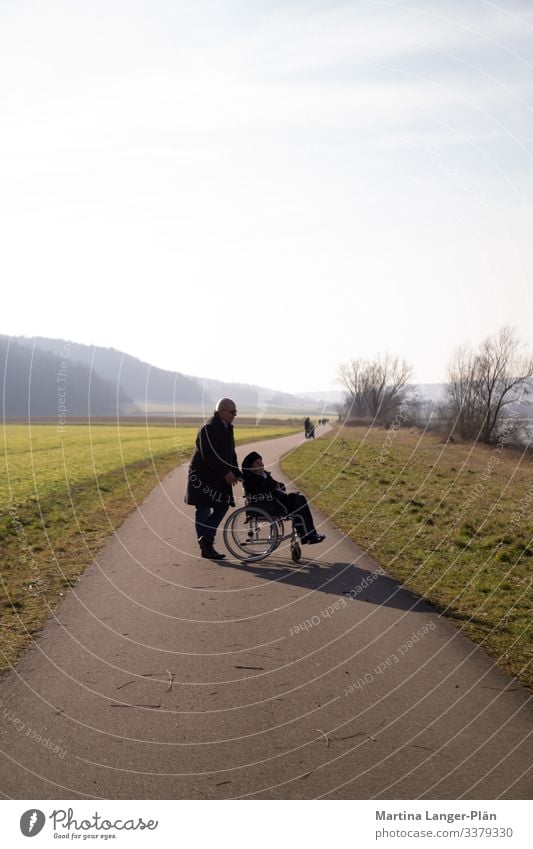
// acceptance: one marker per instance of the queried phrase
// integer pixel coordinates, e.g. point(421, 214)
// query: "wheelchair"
point(251, 534)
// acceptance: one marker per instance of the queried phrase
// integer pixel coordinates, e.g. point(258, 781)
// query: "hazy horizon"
point(324, 393)
point(264, 190)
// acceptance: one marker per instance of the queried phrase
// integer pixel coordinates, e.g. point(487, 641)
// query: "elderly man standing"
point(212, 474)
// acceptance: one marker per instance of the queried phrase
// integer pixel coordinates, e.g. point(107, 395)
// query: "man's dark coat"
point(214, 457)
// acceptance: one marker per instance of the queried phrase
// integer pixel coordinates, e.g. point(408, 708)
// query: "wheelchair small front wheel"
point(251, 533)
point(296, 552)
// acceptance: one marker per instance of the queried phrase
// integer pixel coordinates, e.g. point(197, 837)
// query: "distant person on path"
point(263, 491)
point(309, 429)
point(212, 474)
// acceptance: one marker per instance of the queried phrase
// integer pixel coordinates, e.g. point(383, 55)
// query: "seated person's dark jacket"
point(265, 492)
point(270, 495)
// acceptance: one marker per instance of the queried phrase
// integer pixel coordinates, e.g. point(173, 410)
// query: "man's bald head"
point(226, 409)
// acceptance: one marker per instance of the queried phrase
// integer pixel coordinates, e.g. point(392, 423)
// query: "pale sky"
point(257, 191)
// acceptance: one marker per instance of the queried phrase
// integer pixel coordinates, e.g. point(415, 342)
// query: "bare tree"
point(375, 388)
point(485, 383)
point(462, 405)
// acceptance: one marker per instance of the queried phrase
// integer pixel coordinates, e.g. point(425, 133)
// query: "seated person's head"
point(253, 463)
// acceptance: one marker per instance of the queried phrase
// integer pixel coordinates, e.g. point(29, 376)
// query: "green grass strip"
point(62, 495)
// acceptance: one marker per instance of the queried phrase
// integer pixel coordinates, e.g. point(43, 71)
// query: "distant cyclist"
point(309, 430)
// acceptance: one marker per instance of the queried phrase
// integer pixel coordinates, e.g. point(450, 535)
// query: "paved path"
point(166, 676)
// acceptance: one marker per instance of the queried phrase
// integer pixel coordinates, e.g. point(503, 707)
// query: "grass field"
point(62, 494)
point(453, 522)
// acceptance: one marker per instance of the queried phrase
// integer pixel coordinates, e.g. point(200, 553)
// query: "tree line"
point(487, 389)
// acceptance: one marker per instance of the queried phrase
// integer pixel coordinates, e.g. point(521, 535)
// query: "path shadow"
point(343, 579)
point(338, 578)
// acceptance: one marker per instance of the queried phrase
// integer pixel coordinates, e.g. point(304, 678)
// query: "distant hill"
point(140, 381)
point(146, 388)
point(328, 396)
point(430, 391)
point(253, 396)
point(43, 383)
point(124, 382)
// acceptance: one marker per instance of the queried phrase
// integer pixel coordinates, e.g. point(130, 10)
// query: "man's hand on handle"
point(230, 478)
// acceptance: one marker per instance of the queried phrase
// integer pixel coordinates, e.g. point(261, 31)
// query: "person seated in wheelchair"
point(263, 491)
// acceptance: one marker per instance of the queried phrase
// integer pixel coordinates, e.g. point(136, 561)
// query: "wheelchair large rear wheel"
point(251, 533)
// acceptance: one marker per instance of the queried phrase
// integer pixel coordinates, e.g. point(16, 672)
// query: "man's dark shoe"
point(208, 551)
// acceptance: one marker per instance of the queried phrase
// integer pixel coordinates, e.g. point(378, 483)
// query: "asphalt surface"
point(165, 676)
